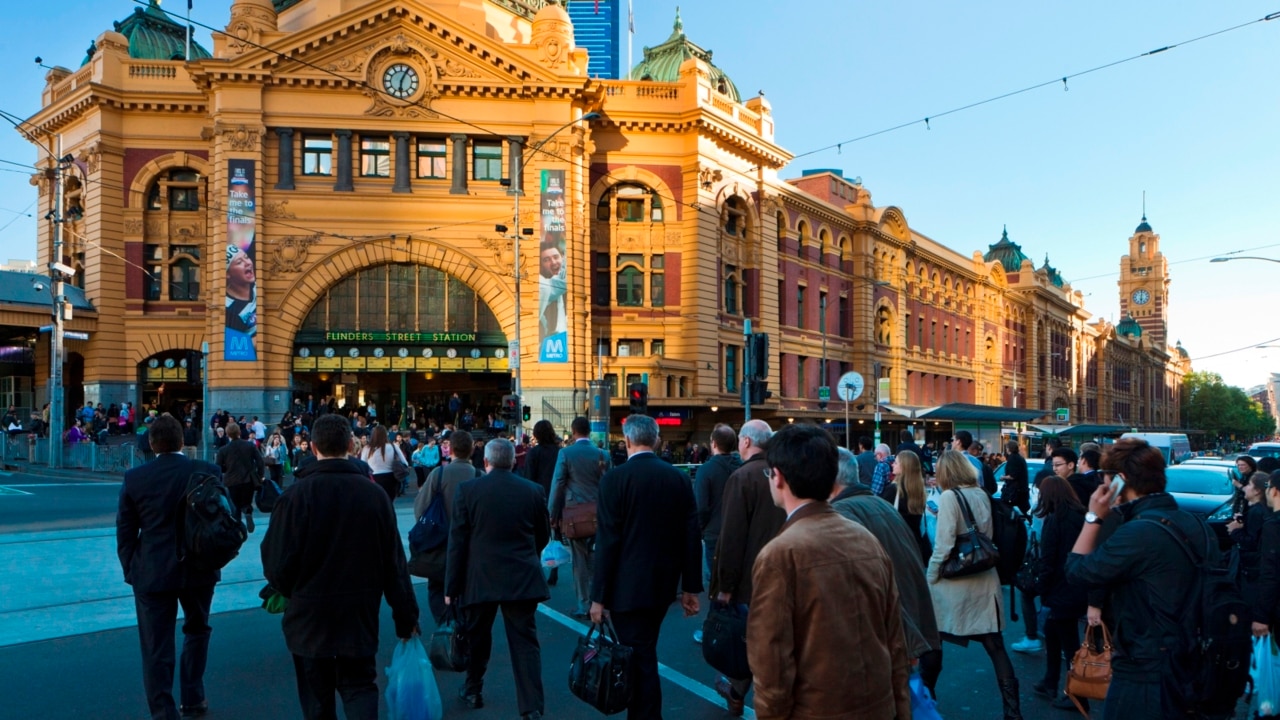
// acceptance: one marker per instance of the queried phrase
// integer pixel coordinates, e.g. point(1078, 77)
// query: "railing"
point(29, 450)
point(153, 70)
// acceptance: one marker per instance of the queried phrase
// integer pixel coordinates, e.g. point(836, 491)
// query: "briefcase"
point(578, 521)
point(724, 640)
point(448, 649)
point(600, 672)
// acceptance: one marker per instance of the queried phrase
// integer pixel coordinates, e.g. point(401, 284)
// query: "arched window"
point(824, 246)
point(630, 280)
point(180, 187)
point(630, 202)
point(781, 219)
point(731, 284)
point(735, 217)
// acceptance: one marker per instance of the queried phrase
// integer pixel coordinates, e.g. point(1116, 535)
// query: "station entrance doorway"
point(393, 336)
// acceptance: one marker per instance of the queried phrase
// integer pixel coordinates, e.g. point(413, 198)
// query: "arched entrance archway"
point(169, 382)
point(398, 334)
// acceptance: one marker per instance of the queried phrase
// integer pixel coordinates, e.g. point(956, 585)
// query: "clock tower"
point(1144, 284)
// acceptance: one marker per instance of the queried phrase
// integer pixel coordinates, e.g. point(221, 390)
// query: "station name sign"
point(401, 337)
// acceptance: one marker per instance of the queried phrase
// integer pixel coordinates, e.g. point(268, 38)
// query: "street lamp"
point(517, 189)
point(1244, 257)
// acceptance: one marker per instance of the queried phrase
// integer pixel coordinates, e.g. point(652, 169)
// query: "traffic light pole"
point(748, 373)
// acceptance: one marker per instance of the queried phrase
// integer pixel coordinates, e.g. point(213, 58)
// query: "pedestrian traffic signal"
point(757, 392)
point(758, 354)
point(639, 394)
point(511, 408)
point(528, 413)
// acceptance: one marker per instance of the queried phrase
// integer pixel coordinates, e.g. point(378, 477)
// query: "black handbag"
point(1033, 576)
point(448, 649)
point(973, 551)
point(267, 496)
point(600, 672)
point(724, 640)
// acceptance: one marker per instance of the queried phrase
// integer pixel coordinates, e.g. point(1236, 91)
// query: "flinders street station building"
point(391, 201)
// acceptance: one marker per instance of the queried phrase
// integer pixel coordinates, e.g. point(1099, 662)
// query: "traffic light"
point(511, 408)
point(528, 413)
point(758, 350)
point(639, 395)
point(757, 391)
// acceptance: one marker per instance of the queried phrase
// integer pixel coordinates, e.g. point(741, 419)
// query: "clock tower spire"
point(1144, 284)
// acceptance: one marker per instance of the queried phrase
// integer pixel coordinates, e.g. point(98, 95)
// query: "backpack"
point(432, 529)
point(1009, 533)
point(1211, 674)
point(210, 532)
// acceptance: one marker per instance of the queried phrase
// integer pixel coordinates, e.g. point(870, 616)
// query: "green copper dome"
point(1182, 351)
point(1055, 277)
point(662, 63)
point(153, 35)
point(283, 4)
point(1009, 253)
point(1144, 226)
point(1129, 326)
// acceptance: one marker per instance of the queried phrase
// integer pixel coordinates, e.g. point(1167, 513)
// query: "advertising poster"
point(242, 284)
point(553, 330)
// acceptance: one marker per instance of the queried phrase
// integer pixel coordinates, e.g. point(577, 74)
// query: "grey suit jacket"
point(576, 479)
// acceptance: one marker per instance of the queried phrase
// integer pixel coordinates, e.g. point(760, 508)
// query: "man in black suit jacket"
point(647, 547)
point(149, 548)
point(496, 537)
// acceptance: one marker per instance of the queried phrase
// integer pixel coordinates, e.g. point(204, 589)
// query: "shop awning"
point(965, 412)
point(1095, 430)
point(911, 412)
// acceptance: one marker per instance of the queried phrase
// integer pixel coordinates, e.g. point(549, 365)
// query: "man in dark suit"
point(576, 481)
point(647, 548)
point(149, 547)
point(496, 537)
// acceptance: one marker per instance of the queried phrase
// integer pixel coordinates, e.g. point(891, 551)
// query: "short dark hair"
point(1067, 455)
point(1092, 457)
point(724, 438)
point(233, 431)
point(580, 427)
point(1269, 465)
point(331, 435)
point(1055, 493)
point(965, 438)
point(1012, 447)
point(808, 458)
point(461, 444)
point(866, 443)
point(544, 432)
point(1141, 464)
point(907, 436)
point(165, 434)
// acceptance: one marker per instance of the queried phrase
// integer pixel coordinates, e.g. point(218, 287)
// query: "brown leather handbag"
point(1090, 673)
point(578, 521)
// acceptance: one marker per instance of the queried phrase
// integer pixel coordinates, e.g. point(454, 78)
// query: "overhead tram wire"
point(1180, 262)
point(1063, 80)
point(1254, 346)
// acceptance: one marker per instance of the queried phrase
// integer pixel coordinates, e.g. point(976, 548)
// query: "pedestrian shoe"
point(1012, 704)
point(1063, 702)
point(248, 523)
point(1028, 645)
point(475, 701)
point(725, 690)
point(195, 710)
point(1042, 689)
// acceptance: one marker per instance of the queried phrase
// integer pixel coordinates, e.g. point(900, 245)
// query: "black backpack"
point(1211, 673)
point(211, 535)
point(1009, 533)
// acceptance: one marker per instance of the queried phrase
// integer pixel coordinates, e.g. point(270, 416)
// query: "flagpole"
point(631, 31)
point(188, 55)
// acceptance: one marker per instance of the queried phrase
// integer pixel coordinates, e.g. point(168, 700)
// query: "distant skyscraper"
point(600, 27)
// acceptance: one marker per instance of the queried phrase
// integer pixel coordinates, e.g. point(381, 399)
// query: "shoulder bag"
point(600, 671)
point(578, 521)
point(449, 650)
point(973, 552)
point(1033, 576)
point(1090, 673)
point(724, 640)
point(399, 470)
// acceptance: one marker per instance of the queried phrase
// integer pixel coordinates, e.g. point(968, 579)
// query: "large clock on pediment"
point(402, 78)
point(400, 81)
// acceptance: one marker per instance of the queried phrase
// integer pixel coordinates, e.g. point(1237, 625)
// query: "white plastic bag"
point(930, 525)
point(1265, 669)
point(412, 693)
point(555, 555)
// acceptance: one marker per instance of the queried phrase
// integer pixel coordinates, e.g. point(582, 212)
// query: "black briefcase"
point(600, 672)
point(448, 649)
point(724, 640)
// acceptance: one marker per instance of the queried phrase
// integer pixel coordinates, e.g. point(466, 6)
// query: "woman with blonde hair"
point(969, 607)
point(909, 477)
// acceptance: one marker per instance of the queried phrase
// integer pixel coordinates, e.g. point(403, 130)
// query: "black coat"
point(647, 536)
point(1266, 598)
point(147, 525)
point(334, 550)
point(540, 465)
point(241, 463)
point(1058, 535)
point(1084, 485)
point(1016, 490)
point(496, 536)
point(709, 491)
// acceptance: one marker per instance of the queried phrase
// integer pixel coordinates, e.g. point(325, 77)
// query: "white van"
point(1174, 446)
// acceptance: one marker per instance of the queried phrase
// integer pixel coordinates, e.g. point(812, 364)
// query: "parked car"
point(1034, 466)
point(1265, 449)
point(1204, 488)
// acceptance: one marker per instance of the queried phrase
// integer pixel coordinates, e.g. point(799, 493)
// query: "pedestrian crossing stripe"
point(10, 491)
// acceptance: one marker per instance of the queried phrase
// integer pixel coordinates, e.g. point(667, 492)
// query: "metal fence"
point(32, 450)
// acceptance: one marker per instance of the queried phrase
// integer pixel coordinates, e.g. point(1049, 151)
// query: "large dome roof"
point(662, 63)
point(1008, 252)
point(1130, 327)
point(153, 35)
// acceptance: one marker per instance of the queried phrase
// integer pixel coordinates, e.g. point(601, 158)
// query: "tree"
point(1222, 411)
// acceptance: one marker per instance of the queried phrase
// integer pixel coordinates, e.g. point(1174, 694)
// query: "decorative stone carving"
point(630, 242)
point(248, 21)
point(133, 226)
point(157, 228)
point(186, 231)
point(277, 211)
point(92, 158)
point(708, 176)
point(353, 62)
point(401, 48)
point(41, 182)
point(501, 251)
point(240, 138)
point(672, 239)
point(289, 254)
point(553, 36)
point(729, 252)
point(451, 68)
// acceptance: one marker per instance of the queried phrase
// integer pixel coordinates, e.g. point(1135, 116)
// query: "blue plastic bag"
point(1263, 669)
point(412, 693)
point(923, 706)
point(555, 555)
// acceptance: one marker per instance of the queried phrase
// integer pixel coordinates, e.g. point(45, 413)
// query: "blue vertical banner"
point(240, 337)
point(553, 328)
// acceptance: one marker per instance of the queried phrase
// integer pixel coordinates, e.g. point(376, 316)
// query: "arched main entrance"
point(400, 333)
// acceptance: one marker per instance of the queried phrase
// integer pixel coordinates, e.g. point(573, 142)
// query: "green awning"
point(966, 412)
point(1095, 430)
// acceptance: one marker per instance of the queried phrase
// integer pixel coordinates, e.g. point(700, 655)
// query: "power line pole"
point(56, 339)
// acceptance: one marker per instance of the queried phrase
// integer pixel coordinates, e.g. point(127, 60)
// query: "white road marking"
point(668, 673)
point(113, 485)
point(6, 490)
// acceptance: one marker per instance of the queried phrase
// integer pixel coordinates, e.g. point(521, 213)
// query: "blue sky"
point(1195, 127)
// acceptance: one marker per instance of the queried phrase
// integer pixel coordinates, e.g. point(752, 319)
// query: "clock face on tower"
point(400, 80)
point(1141, 297)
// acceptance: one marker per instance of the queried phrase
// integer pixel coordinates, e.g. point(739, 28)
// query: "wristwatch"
point(1092, 518)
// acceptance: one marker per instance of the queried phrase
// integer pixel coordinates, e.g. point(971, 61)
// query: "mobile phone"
point(1117, 485)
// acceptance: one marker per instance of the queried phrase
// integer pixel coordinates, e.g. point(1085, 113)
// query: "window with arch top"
point(735, 217)
point(179, 189)
point(630, 202)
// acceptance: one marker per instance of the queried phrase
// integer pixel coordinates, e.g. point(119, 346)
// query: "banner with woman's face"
point(240, 336)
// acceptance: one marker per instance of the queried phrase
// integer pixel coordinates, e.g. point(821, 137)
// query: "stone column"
point(459, 165)
point(284, 180)
point(344, 183)
point(403, 163)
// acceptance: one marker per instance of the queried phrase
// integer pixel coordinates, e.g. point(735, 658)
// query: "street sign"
point(46, 328)
point(513, 354)
point(882, 391)
point(1063, 415)
point(850, 386)
point(824, 393)
point(73, 335)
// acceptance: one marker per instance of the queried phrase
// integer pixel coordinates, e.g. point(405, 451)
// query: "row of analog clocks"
point(402, 352)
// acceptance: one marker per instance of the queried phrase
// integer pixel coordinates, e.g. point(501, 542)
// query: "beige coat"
point(968, 605)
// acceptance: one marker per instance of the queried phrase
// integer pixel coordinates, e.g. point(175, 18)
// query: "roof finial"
point(1144, 206)
point(1004, 235)
point(679, 25)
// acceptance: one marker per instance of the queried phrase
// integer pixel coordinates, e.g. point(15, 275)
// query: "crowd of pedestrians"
point(842, 562)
